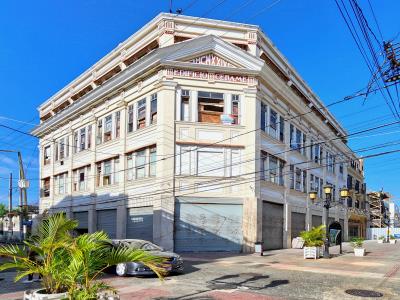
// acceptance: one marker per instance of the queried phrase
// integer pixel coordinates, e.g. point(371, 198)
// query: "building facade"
point(358, 206)
point(196, 134)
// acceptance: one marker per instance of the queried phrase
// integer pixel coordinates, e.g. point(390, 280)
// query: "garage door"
point(208, 227)
point(298, 224)
point(107, 221)
point(316, 221)
point(272, 229)
point(82, 218)
point(139, 223)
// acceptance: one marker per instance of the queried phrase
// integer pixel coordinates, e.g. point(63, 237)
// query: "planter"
point(359, 251)
point(40, 295)
point(392, 241)
point(380, 241)
point(311, 252)
point(321, 251)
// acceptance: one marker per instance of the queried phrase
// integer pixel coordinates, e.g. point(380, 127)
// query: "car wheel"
point(121, 269)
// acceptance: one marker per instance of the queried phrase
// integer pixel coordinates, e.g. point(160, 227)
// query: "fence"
point(375, 233)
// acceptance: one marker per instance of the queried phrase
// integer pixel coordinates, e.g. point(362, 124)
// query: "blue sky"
point(46, 44)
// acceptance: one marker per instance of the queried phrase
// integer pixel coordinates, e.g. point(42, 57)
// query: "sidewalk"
point(381, 261)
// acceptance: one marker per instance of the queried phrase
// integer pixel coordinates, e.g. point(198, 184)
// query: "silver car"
point(174, 262)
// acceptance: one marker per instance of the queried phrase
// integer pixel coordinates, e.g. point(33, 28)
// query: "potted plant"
point(357, 244)
point(392, 239)
point(69, 267)
point(313, 241)
point(381, 239)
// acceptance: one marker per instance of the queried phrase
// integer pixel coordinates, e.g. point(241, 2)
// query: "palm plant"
point(46, 253)
point(91, 254)
point(71, 264)
point(314, 237)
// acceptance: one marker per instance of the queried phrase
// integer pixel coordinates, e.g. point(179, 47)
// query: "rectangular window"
point(317, 187)
point(81, 178)
point(62, 148)
point(141, 114)
point(298, 179)
point(235, 109)
point(235, 162)
point(264, 117)
point(317, 153)
point(273, 123)
point(185, 108)
point(61, 182)
point(89, 136)
point(130, 118)
point(292, 137)
point(129, 167)
point(153, 109)
point(46, 155)
point(281, 129)
point(298, 140)
point(117, 124)
point(153, 161)
point(56, 151)
point(82, 139)
point(46, 187)
point(273, 169)
point(76, 143)
point(210, 163)
point(264, 165)
point(291, 175)
point(321, 185)
point(185, 163)
point(304, 181)
point(99, 139)
point(106, 173)
point(312, 183)
point(304, 145)
point(108, 128)
point(311, 150)
point(210, 107)
point(140, 164)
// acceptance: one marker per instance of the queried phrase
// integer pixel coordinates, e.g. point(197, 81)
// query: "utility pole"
point(10, 226)
point(23, 184)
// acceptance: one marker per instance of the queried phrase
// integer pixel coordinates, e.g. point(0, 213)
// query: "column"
point(193, 102)
point(164, 205)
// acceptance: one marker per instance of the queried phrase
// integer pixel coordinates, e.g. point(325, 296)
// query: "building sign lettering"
point(211, 60)
point(211, 76)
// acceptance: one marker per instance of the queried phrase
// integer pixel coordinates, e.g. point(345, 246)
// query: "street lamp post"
point(328, 189)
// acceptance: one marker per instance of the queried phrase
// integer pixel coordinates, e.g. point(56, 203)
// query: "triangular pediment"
point(210, 51)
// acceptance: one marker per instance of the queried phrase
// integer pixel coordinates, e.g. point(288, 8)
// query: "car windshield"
point(149, 247)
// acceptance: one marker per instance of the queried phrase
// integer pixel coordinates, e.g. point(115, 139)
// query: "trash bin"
point(258, 247)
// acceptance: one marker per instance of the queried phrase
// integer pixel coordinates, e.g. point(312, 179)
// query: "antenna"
point(170, 6)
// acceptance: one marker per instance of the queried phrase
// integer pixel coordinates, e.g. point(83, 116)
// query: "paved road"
point(282, 274)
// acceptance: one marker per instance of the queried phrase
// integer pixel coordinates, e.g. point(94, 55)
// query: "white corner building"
point(196, 134)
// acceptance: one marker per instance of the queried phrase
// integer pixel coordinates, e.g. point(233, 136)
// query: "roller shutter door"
point(107, 221)
point(140, 223)
point(316, 221)
point(208, 227)
point(272, 228)
point(298, 224)
point(82, 218)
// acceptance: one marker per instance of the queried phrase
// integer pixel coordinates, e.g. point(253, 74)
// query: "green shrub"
point(314, 237)
point(392, 237)
point(357, 242)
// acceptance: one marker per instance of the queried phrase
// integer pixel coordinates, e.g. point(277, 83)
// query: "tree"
point(3, 210)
